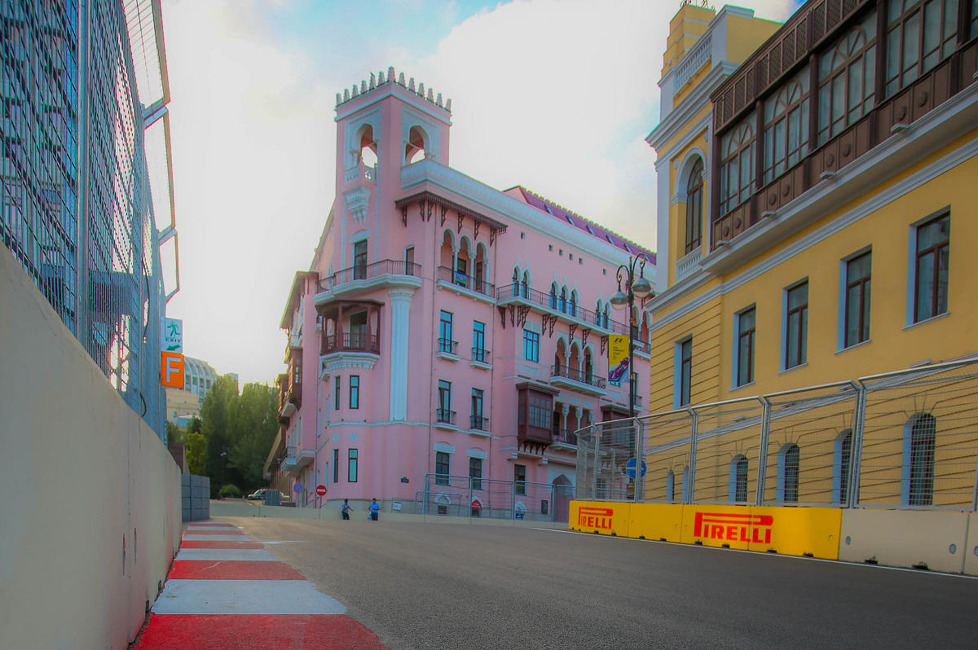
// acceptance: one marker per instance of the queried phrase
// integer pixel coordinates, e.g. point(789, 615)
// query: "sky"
point(554, 95)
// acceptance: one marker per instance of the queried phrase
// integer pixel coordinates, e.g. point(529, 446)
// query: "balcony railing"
point(478, 422)
point(565, 436)
point(368, 272)
point(351, 342)
point(445, 416)
point(576, 375)
point(585, 316)
point(480, 355)
point(472, 283)
point(448, 346)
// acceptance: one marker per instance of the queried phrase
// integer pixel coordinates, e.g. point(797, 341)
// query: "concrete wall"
point(196, 492)
point(89, 495)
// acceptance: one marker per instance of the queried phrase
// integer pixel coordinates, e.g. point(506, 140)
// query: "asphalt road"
point(459, 586)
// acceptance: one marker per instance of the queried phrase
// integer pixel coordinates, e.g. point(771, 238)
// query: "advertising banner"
point(617, 357)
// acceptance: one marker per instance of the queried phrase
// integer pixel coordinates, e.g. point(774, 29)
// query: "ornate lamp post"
point(637, 288)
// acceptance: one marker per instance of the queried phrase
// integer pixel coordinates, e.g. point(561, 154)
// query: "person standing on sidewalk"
point(346, 509)
point(374, 510)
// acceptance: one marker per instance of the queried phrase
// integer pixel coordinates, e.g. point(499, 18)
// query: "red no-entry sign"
point(321, 490)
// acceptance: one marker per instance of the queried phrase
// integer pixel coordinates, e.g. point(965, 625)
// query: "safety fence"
point(905, 439)
point(465, 496)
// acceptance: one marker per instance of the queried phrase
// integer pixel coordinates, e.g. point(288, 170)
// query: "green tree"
point(196, 448)
point(216, 415)
point(253, 426)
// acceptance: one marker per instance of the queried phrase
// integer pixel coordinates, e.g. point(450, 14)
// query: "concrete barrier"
point(905, 538)
point(89, 495)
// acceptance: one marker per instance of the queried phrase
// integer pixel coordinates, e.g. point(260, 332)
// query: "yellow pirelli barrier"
point(788, 531)
point(602, 517)
point(658, 521)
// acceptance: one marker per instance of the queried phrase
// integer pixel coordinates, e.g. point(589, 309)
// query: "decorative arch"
point(355, 132)
point(574, 300)
point(919, 446)
point(526, 284)
point(689, 160)
point(416, 144)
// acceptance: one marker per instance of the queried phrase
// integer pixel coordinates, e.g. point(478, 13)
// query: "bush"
point(230, 491)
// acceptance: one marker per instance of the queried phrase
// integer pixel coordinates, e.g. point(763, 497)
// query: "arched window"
point(670, 487)
point(786, 127)
point(919, 440)
point(415, 146)
point(588, 367)
point(604, 317)
point(694, 207)
point(525, 287)
point(573, 303)
point(553, 295)
point(737, 165)
point(737, 488)
point(368, 147)
point(847, 80)
point(840, 467)
point(516, 282)
point(788, 459)
point(563, 300)
point(597, 313)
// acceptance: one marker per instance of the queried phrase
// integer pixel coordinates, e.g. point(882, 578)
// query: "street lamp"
point(637, 288)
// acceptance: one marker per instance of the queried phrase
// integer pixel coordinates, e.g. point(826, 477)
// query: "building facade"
point(448, 338)
point(815, 211)
point(86, 177)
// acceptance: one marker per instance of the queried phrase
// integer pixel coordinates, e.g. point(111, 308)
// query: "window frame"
point(789, 462)
point(864, 286)
point(444, 413)
point(446, 331)
point(800, 332)
point(790, 103)
point(519, 479)
point(919, 452)
point(354, 392)
point(739, 335)
point(443, 464)
point(336, 465)
point(938, 306)
point(836, 65)
point(738, 479)
point(694, 206)
point(913, 62)
point(478, 408)
point(531, 346)
point(337, 384)
point(475, 473)
point(737, 147)
point(360, 260)
point(478, 341)
point(352, 465)
point(841, 467)
point(682, 379)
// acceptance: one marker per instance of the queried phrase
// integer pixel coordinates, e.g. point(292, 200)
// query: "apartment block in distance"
point(448, 338)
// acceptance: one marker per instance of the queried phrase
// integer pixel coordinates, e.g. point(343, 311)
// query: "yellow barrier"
point(789, 531)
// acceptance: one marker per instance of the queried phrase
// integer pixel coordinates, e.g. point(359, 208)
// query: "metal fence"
point(464, 496)
point(905, 439)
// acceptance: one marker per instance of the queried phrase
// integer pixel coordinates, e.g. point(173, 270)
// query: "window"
point(682, 380)
point(336, 393)
point(336, 466)
point(360, 260)
point(788, 460)
point(358, 330)
point(931, 268)
point(519, 477)
point(796, 326)
point(531, 346)
point(409, 260)
point(573, 303)
point(786, 127)
point(446, 342)
point(479, 341)
point(534, 409)
point(553, 296)
point(671, 487)
point(744, 351)
point(461, 272)
point(858, 277)
point(563, 300)
point(918, 461)
point(847, 80)
point(445, 402)
point(516, 282)
point(477, 404)
point(475, 473)
point(351, 465)
point(736, 165)
point(694, 207)
point(919, 35)
point(442, 472)
point(354, 391)
point(842, 463)
point(737, 490)
point(479, 276)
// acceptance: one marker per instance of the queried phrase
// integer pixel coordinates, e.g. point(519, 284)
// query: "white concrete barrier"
point(89, 495)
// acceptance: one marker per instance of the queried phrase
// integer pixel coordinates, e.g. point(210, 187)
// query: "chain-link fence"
point(904, 439)
point(464, 496)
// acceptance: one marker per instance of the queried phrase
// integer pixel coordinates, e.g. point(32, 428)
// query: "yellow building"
point(817, 202)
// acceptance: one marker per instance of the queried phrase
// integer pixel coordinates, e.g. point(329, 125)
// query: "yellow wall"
point(746, 35)
point(685, 28)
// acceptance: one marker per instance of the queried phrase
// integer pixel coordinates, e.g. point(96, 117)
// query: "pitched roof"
point(596, 230)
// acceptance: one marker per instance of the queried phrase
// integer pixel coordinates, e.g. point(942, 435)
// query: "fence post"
point(856, 450)
point(762, 453)
point(597, 464)
point(427, 495)
point(690, 488)
point(639, 460)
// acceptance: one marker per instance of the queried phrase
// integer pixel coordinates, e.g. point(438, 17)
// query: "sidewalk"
point(227, 591)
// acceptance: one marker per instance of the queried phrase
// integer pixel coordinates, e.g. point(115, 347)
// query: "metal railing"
point(565, 436)
point(478, 422)
point(465, 496)
point(579, 376)
point(368, 272)
point(905, 439)
point(351, 342)
point(448, 346)
point(476, 284)
point(585, 316)
point(445, 416)
point(480, 355)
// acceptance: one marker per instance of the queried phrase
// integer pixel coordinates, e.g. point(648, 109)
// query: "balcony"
point(445, 418)
point(564, 437)
point(481, 356)
point(520, 293)
point(583, 382)
point(478, 423)
point(351, 342)
point(466, 283)
point(290, 393)
point(365, 277)
point(297, 459)
point(448, 349)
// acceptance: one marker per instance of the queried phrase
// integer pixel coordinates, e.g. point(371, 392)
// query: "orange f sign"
point(171, 369)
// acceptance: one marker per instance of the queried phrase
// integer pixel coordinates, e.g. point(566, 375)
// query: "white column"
point(399, 345)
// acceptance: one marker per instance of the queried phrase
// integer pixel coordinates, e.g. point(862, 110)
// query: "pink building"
point(448, 338)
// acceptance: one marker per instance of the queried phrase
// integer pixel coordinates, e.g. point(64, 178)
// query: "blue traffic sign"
point(298, 486)
point(630, 468)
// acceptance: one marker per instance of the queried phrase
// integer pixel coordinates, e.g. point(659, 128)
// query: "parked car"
point(259, 495)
